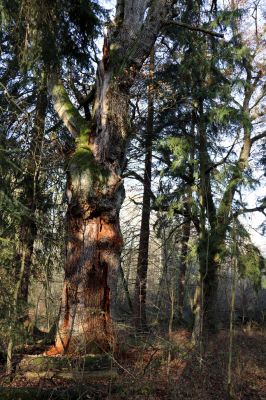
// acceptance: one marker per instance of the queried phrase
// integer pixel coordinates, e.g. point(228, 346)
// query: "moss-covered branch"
point(227, 200)
point(67, 112)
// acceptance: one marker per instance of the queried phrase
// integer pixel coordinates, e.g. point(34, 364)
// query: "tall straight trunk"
point(94, 186)
point(206, 246)
point(143, 254)
point(186, 228)
point(232, 310)
point(183, 268)
point(31, 188)
point(163, 283)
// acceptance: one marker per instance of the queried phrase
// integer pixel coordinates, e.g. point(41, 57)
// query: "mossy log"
point(44, 367)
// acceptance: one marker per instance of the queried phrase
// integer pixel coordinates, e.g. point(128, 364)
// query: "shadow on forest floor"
point(153, 367)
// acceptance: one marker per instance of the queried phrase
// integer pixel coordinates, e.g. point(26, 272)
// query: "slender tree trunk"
point(183, 268)
point(28, 228)
point(232, 311)
point(14, 314)
point(143, 256)
point(125, 285)
point(197, 314)
point(209, 245)
point(163, 284)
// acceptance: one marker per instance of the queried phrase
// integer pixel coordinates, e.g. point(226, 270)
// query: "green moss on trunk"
point(83, 161)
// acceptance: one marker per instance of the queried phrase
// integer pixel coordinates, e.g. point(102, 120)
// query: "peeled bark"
point(93, 252)
point(143, 254)
point(95, 190)
point(94, 244)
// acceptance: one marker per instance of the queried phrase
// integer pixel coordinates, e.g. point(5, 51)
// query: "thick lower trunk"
point(209, 268)
point(94, 244)
point(210, 286)
point(92, 260)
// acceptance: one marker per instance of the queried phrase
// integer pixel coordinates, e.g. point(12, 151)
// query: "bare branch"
point(258, 137)
point(213, 166)
point(260, 97)
point(261, 209)
point(135, 175)
point(194, 28)
point(11, 99)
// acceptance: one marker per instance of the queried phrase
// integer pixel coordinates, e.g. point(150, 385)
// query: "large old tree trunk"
point(95, 190)
point(95, 193)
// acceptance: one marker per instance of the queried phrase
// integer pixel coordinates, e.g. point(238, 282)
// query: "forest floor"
point(152, 367)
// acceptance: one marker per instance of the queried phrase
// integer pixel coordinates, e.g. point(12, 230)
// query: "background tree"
point(204, 107)
point(143, 257)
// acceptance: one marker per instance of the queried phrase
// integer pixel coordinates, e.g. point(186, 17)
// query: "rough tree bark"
point(143, 254)
point(95, 189)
